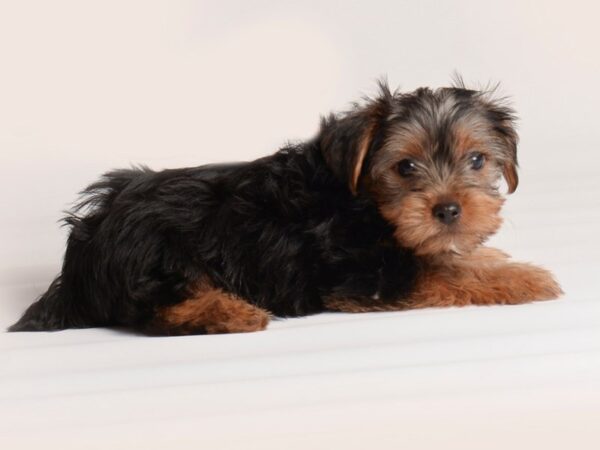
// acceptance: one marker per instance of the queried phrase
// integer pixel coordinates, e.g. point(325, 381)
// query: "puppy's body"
point(280, 232)
point(341, 222)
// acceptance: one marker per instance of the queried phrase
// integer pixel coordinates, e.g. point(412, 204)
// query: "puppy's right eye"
point(406, 167)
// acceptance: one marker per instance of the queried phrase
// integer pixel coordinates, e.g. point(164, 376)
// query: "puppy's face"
point(432, 161)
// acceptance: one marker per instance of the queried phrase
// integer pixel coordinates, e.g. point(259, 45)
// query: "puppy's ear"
point(509, 169)
point(503, 120)
point(345, 140)
point(511, 176)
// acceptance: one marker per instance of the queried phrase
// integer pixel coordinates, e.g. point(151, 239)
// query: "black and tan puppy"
point(385, 209)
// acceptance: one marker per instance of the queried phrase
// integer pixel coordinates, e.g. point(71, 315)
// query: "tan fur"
point(485, 277)
point(408, 141)
point(417, 228)
point(512, 178)
point(465, 142)
point(212, 311)
point(482, 279)
point(360, 156)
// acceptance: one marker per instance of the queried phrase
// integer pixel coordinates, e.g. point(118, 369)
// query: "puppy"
point(385, 209)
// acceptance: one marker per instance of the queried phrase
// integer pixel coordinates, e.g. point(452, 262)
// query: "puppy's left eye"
point(406, 168)
point(476, 160)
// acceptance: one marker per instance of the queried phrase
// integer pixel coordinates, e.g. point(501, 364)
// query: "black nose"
point(447, 212)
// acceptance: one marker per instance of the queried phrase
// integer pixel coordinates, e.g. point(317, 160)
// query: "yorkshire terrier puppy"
point(385, 209)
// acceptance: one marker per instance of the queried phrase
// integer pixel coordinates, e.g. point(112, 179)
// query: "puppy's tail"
point(49, 313)
point(56, 309)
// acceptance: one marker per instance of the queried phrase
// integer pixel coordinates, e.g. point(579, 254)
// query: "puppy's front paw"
point(526, 282)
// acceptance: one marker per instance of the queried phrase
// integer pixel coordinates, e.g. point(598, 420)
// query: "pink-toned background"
point(90, 86)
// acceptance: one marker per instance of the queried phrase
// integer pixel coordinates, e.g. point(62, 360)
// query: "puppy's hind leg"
point(209, 311)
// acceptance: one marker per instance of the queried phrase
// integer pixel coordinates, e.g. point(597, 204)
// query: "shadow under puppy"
point(385, 209)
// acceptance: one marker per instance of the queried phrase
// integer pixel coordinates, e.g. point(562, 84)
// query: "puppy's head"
point(432, 160)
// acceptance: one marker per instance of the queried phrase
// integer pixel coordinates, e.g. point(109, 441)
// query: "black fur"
point(281, 232)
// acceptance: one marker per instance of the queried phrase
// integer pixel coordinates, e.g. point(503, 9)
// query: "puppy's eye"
point(477, 160)
point(406, 168)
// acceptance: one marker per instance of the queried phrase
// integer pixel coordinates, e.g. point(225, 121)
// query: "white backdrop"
point(90, 86)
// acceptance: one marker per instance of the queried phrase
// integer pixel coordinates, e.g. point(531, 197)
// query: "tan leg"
point(210, 311)
point(486, 277)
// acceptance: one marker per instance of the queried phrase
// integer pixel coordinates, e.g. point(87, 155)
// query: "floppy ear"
point(503, 119)
point(509, 169)
point(511, 176)
point(345, 140)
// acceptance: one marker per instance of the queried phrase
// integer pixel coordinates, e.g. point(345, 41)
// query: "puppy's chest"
point(396, 274)
point(381, 271)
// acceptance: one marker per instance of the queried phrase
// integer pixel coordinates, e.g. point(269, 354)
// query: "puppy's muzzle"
point(447, 213)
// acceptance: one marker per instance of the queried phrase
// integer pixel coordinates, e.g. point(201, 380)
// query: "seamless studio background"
point(86, 87)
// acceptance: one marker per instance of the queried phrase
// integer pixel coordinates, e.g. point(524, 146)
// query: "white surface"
point(87, 88)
